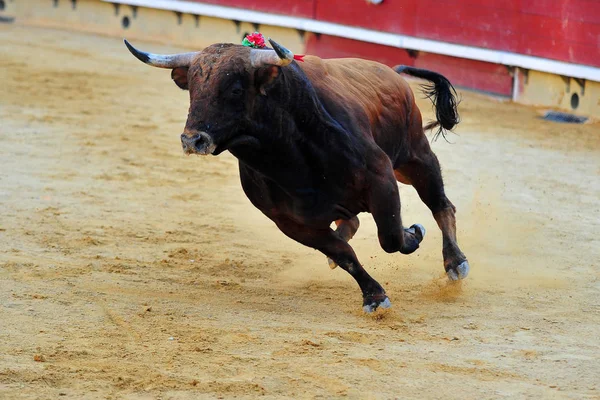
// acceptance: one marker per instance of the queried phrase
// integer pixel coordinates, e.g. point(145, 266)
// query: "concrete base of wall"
point(574, 95)
point(196, 31)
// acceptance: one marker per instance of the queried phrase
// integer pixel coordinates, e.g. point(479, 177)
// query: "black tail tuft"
point(443, 96)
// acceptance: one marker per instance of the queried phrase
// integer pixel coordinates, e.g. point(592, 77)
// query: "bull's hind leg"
point(424, 173)
point(384, 205)
point(329, 243)
point(346, 228)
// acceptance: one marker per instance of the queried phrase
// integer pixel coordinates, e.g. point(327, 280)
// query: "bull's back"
point(368, 94)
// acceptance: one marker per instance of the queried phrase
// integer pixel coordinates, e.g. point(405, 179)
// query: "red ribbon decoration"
point(257, 40)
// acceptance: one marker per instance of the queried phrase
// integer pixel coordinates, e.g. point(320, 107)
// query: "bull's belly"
point(307, 209)
point(313, 213)
point(308, 206)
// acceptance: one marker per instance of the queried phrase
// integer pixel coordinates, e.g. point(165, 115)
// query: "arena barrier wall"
point(543, 53)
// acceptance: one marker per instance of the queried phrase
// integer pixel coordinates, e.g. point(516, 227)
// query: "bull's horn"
point(279, 56)
point(162, 61)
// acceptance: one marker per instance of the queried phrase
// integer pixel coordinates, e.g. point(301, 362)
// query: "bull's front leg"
point(346, 228)
point(384, 204)
point(333, 246)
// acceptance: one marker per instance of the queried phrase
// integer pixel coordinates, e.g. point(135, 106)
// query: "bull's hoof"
point(418, 230)
point(459, 272)
point(332, 264)
point(413, 236)
point(370, 305)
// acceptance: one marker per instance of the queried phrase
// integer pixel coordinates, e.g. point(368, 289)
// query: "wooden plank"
point(473, 25)
point(571, 10)
point(450, 5)
point(561, 50)
point(389, 16)
point(559, 29)
point(298, 8)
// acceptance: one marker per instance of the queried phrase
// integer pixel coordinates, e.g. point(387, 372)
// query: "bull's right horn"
point(279, 56)
point(162, 61)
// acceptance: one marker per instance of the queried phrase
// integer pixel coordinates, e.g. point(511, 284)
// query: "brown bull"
point(321, 141)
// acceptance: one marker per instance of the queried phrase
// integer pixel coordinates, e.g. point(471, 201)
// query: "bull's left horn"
point(162, 61)
point(279, 56)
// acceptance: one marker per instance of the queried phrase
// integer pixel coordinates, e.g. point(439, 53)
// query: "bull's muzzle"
point(199, 143)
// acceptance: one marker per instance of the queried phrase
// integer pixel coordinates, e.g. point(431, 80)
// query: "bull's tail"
point(443, 96)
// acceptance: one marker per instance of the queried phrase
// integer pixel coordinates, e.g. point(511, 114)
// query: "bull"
point(320, 142)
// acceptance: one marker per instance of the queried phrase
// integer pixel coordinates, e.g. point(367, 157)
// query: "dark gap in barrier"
point(134, 11)
point(412, 53)
point(55, 3)
point(2, 5)
point(565, 118)
point(116, 5)
point(256, 27)
point(179, 17)
point(73, 4)
point(125, 22)
point(525, 75)
point(301, 33)
point(574, 101)
point(197, 20)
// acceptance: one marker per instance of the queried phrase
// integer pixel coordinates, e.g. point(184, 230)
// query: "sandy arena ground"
point(128, 270)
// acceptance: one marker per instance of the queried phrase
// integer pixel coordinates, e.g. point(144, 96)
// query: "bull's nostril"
point(200, 143)
point(188, 141)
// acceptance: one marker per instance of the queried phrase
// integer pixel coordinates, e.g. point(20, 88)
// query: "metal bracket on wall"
point(581, 83)
point(567, 81)
point(179, 17)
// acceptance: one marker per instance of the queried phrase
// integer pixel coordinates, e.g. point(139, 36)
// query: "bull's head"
point(224, 81)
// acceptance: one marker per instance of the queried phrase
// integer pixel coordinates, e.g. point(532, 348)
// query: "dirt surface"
point(128, 270)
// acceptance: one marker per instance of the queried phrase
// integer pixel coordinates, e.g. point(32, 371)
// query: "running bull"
point(321, 141)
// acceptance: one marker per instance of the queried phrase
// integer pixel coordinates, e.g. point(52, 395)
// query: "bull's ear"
point(179, 76)
point(265, 78)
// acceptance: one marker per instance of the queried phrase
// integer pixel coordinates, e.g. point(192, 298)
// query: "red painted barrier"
point(564, 30)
